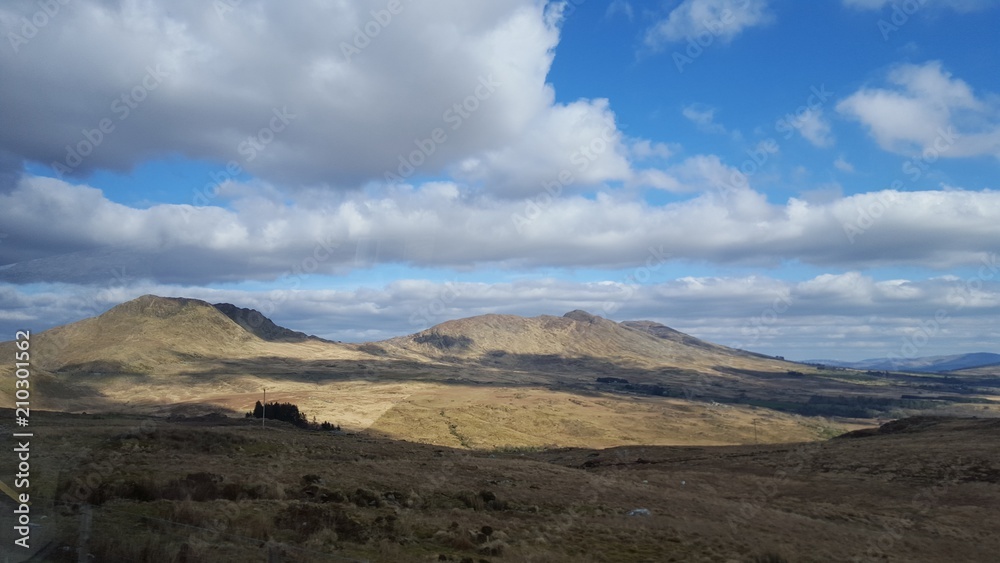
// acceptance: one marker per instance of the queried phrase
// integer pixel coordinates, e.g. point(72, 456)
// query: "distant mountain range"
point(576, 379)
point(577, 341)
point(154, 334)
point(925, 364)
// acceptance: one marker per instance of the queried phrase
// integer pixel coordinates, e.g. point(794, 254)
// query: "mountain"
point(262, 327)
point(152, 334)
point(575, 340)
point(139, 335)
point(925, 364)
point(478, 382)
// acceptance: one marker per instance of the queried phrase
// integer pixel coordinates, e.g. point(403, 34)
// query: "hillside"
point(577, 340)
point(141, 354)
point(919, 490)
point(140, 335)
point(480, 382)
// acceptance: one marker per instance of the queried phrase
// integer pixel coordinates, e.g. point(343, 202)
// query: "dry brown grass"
point(924, 492)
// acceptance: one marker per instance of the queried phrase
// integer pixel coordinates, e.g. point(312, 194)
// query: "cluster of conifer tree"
point(288, 412)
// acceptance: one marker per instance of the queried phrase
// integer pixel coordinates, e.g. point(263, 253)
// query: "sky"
point(815, 180)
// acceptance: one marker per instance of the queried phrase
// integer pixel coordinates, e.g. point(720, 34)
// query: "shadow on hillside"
point(790, 392)
point(507, 369)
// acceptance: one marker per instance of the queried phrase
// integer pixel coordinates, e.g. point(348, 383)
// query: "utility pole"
point(263, 410)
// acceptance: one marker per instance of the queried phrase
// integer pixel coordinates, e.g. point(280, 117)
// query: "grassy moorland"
point(223, 489)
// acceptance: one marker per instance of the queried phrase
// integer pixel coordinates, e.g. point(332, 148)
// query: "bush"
point(289, 413)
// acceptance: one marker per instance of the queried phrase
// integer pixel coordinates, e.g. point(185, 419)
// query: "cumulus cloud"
point(925, 108)
point(723, 19)
point(349, 81)
point(843, 165)
point(579, 141)
point(814, 127)
point(643, 149)
point(434, 225)
point(703, 173)
point(703, 117)
point(622, 7)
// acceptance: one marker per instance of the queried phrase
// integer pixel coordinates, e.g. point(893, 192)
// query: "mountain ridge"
point(921, 364)
point(254, 322)
point(546, 341)
point(144, 334)
point(482, 381)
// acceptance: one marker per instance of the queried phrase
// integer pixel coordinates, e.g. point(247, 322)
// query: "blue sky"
point(806, 179)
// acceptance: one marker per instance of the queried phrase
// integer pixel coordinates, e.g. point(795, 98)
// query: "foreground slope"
point(922, 490)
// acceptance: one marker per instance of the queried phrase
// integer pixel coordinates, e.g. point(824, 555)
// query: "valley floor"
point(223, 489)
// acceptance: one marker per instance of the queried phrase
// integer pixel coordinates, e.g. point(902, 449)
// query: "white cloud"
point(705, 173)
point(843, 165)
point(703, 117)
point(436, 225)
point(360, 100)
point(721, 19)
point(642, 149)
point(658, 179)
point(580, 139)
point(926, 109)
point(814, 128)
point(620, 7)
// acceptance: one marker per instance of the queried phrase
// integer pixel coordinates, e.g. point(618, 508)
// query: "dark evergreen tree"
point(287, 412)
